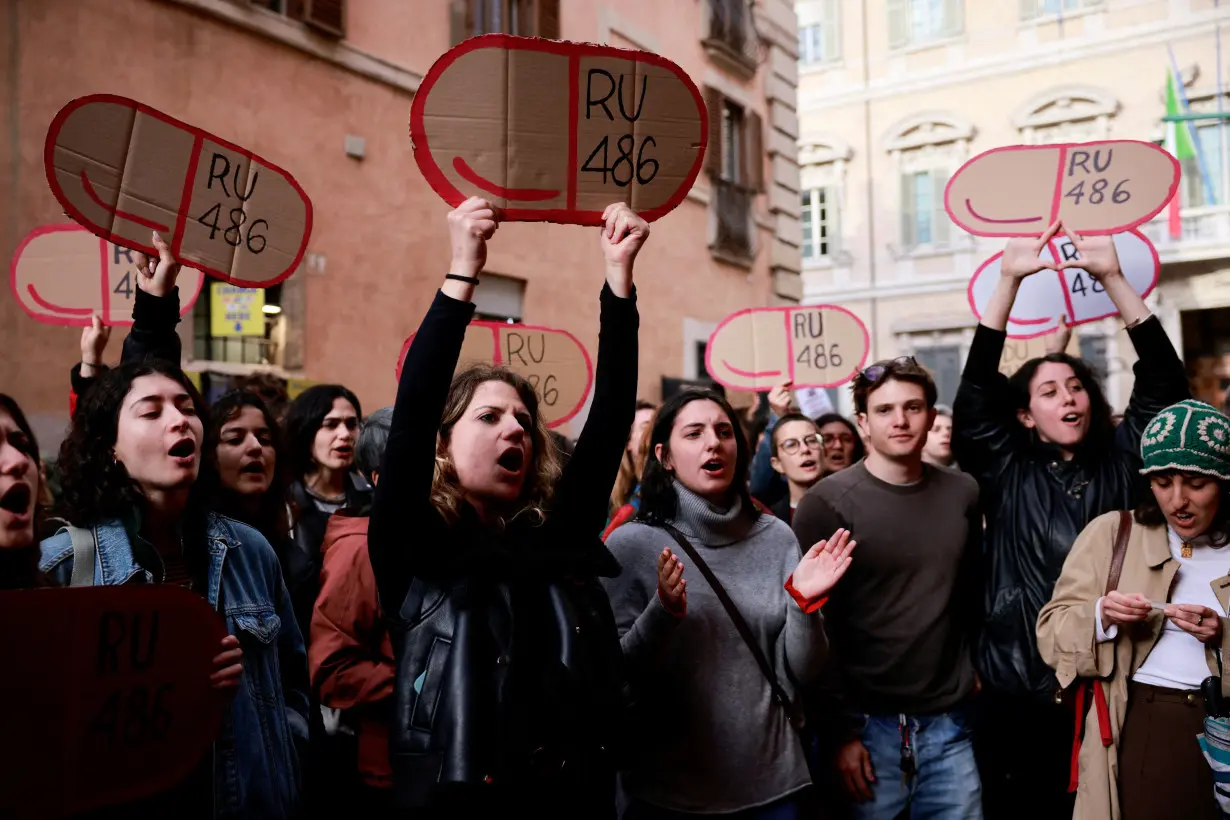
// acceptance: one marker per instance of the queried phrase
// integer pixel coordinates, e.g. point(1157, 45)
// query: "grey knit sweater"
point(714, 739)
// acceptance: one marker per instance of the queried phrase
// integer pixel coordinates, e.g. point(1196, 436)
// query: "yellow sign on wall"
point(296, 386)
point(236, 311)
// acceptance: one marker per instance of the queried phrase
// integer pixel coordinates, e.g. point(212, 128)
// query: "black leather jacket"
point(1036, 503)
point(509, 670)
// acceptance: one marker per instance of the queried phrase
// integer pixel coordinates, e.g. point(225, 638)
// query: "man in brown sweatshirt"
point(900, 623)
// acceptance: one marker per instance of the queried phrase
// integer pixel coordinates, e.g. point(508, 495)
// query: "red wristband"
point(807, 606)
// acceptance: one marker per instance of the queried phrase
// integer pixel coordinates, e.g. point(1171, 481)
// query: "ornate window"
point(927, 149)
point(1074, 113)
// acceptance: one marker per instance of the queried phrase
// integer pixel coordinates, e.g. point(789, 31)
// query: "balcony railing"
point(1205, 234)
point(733, 31)
point(733, 206)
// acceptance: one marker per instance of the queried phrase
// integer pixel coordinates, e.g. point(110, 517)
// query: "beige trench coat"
point(1067, 639)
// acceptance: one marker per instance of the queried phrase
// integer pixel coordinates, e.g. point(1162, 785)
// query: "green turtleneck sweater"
point(715, 739)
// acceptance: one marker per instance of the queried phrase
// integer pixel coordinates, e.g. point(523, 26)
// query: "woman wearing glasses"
point(798, 456)
point(1048, 461)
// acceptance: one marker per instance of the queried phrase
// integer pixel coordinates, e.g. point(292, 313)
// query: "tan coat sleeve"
point(1067, 634)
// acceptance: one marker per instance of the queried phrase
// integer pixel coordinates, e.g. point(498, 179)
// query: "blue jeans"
point(945, 785)
point(787, 808)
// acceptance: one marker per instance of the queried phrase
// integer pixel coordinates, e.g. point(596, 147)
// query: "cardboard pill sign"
point(63, 274)
point(125, 170)
point(554, 362)
point(553, 131)
point(1047, 295)
point(1094, 188)
point(113, 702)
point(813, 346)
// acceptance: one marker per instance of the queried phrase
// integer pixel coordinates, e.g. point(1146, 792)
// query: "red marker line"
point(520, 194)
point(92, 194)
point(969, 205)
point(43, 303)
point(747, 374)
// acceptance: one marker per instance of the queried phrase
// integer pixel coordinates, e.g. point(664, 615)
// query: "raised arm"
point(985, 431)
point(155, 309)
point(585, 488)
point(403, 493)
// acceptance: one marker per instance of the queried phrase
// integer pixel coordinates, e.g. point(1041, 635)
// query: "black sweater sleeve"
point(152, 335)
point(1160, 382)
point(584, 491)
point(985, 430)
point(403, 520)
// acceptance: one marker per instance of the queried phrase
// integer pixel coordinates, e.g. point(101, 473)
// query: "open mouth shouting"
point(344, 451)
point(713, 467)
point(1072, 419)
point(183, 452)
point(809, 464)
point(17, 503)
point(511, 462)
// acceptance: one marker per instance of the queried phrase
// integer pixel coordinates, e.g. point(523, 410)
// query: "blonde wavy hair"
point(447, 494)
point(631, 465)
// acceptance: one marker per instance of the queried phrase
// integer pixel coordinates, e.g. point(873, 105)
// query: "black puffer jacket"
point(509, 670)
point(1036, 503)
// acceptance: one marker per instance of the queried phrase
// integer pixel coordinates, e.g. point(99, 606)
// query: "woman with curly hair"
point(131, 493)
point(487, 561)
point(19, 493)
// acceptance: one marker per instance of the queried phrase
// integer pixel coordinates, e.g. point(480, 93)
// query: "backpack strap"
point(85, 548)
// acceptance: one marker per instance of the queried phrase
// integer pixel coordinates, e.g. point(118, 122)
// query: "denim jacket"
point(255, 758)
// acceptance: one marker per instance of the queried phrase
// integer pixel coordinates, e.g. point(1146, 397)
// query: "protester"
point(939, 439)
point(796, 455)
point(727, 744)
point(628, 483)
point(130, 468)
point(19, 492)
point(1159, 634)
point(321, 426)
point(1048, 461)
point(509, 689)
point(843, 446)
point(245, 444)
point(271, 389)
point(903, 620)
point(350, 655)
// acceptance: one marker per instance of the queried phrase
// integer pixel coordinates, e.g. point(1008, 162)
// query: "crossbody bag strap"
point(745, 632)
point(1120, 551)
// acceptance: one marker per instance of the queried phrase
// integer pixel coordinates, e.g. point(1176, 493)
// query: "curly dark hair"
point(1100, 438)
point(96, 488)
point(658, 500)
point(272, 518)
point(304, 417)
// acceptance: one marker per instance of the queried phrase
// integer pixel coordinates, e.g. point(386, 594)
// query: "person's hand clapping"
point(823, 566)
point(470, 225)
point(93, 343)
point(1124, 608)
point(1022, 255)
point(623, 235)
point(157, 277)
point(672, 588)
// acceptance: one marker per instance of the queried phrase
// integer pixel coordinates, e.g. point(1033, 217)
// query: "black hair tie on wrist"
point(470, 280)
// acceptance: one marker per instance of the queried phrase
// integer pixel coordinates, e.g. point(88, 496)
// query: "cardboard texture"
point(814, 346)
point(63, 274)
point(124, 170)
point(113, 702)
point(1018, 351)
point(554, 131)
point(1047, 295)
point(554, 361)
point(1103, 187)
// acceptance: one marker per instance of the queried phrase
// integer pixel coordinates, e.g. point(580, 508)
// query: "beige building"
point(324, 90)
point(894, 95)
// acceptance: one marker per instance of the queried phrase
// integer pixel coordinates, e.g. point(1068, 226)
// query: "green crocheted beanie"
point(1190, 436)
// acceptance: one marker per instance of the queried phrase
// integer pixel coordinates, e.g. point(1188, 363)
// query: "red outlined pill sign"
point(1047, 295)
point(813, 346)
point(554, 131)
point(116, 703)
point(124, 170)
point(554, 361)
point(1094, 188)
point(63, 274)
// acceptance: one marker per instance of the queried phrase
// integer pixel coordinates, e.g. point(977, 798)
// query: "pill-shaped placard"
point(813, 346)
point(554, 361)
point(1047, 295)
point(63, 274)
point(557, 131)
point(1094, 188)
point(124, 170)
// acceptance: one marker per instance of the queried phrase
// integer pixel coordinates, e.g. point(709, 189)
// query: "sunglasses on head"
point(875, 373)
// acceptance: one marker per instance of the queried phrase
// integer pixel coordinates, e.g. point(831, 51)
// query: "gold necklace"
point(1186, 550)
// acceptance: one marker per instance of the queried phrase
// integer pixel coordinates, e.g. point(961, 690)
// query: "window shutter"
point(898, 23)
point(941, 229)
point(713, 154)
point(753, 144)
point(908, 221)
point(460, 20)
point(548, 19)
point(328, 16)
point(831, 31)
point(832, 207)
point(954, 17)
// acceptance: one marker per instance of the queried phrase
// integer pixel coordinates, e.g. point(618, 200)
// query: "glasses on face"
point(873, 374)
point(791, 446)
point(832, 440)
